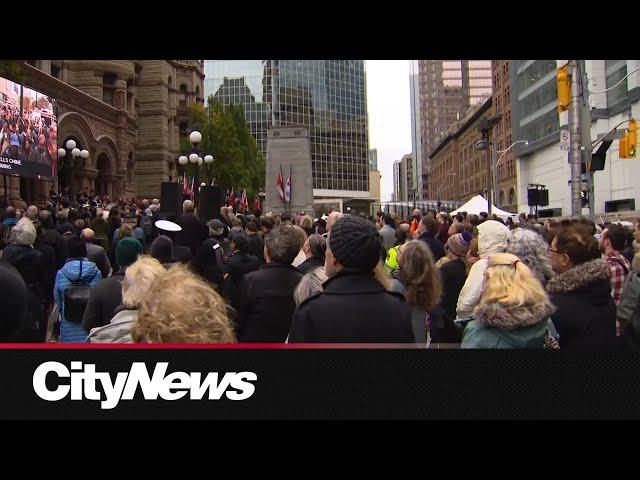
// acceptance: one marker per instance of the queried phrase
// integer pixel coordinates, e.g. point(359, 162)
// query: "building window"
point(183, 95)
point(616, 70)
point(108, 85)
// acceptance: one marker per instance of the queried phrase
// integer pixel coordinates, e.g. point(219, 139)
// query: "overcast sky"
point(389, 106)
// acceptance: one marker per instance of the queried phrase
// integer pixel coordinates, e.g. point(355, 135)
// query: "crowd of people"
point(103, 271)
point(32, 137)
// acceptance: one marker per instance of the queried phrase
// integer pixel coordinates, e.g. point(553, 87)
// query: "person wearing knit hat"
point(353, 307)
point(492, 238)
point(453, 275)
point(127, 251)
point(459, 244)
point(106, 295)
point(162, 250)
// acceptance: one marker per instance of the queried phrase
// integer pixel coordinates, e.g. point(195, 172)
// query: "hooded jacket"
point(514, 326)
point(118, 330)
point(90, 275)
point(492, 239)
point(586, 311)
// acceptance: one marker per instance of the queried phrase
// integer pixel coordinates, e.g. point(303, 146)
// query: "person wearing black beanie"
point(353, 307)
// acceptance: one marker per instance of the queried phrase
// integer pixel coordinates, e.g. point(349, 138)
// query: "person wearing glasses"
point(581, 291)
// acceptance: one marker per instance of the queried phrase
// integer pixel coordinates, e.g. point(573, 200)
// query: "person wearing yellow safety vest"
point(391, 263)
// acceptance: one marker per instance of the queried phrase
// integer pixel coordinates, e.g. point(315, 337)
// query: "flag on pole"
point(226, 198)
point(287, 190)
point(281, 186)
point(192, 191)
point(256, 204)
point(245, 201)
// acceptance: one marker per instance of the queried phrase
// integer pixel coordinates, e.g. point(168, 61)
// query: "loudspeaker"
point(210, 201)
point(171, 199)
point(537, 197)
point(543, 197)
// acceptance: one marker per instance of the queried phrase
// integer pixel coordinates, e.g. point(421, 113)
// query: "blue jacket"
point(73, 332)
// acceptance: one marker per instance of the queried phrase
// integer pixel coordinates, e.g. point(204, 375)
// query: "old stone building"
point(129, 114)
point(458, 168)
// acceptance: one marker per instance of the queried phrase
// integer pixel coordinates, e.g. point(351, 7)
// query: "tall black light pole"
point(71, 154)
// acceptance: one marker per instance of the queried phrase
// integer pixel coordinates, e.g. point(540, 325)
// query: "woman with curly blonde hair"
point(182, 308)
point(138, 280)
point(514, 309)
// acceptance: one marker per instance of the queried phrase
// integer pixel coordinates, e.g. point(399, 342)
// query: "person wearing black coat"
point(453, 274)
point(314, 248)
point(237, 266)
point(17, 322)
point(581, 292)
point(427, 230)
point(31, 265)
point(53, 238)
point(194, 230)
point(256, 244)
point(354, 307)
point(266, 303)
point(106, 294)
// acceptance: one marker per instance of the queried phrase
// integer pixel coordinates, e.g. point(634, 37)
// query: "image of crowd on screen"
point(30, 136)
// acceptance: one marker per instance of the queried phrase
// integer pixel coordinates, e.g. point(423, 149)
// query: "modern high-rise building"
point(397, 181)
point(373, 159)
point(327, 97)
point(446, 90)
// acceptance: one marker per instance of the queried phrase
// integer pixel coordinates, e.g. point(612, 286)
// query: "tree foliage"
point(238, 162)
point(12, 70)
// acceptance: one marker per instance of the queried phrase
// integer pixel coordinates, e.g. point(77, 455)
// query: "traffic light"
point(564, 88)
point(632, 139)
point(623, 151)
point(584, 195)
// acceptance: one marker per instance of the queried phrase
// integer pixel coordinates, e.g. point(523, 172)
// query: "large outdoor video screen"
point(28, 132)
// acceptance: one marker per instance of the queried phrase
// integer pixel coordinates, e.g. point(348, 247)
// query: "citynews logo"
point(84, 378)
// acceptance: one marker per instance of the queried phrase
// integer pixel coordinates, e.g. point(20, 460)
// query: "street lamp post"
point(495, 167)
point(486, 127)
point(447, 175)
point(197, 160)
point(71, 154)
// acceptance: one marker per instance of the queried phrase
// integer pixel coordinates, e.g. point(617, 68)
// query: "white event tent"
point(478, 204)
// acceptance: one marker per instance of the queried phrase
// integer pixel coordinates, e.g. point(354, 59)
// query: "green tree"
point(238, 162)
point(12, 70)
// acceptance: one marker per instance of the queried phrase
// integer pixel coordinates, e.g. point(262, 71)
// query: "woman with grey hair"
point(532, 250)
point(32, 267)
point(310, 284)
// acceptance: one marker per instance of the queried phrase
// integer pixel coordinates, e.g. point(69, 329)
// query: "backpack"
point(146, 223)
point(76, 297)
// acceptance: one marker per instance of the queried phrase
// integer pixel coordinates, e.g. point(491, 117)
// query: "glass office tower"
point(326, 96)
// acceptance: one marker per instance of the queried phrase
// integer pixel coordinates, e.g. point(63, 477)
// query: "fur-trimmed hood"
point(513, 316)
point(583, 275)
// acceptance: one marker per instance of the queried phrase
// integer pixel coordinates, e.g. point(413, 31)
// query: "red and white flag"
point(245, 201)
point(280, 186)
point(287, 190)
